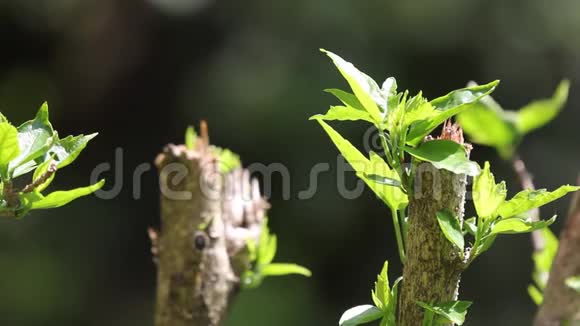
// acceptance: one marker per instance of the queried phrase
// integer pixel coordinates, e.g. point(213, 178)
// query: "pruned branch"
point(206, 220)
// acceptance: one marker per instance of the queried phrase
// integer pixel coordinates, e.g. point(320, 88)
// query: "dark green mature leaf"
point(446, 107)
point(447, 155)
point(454, 311)
point(528, 199)
point(487, 195)
point(360, 315)
point(392, 196)
point(61, 198)
point(519, 225)
point(281, 269)
point(34, 138)
point(66, 151)
point(9, 148)
point(344, 113)
point(449, 224)
point(540, 112)
point(364, 87)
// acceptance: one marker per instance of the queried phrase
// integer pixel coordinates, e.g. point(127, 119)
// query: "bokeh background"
point(140, 71)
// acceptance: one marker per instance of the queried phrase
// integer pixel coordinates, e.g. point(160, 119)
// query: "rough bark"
point(206, 219)
point(561, 305)
point(433, 267)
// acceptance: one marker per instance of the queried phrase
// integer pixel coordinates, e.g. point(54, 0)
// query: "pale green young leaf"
point(392, 196)
point(540, 112)
point(486, 126)
point(529, 199)
point(346, 98)
point(34, 137)
point(40, 171)
point(364, 87)
point(65, 151)
point(390, 317)
point(449, 224)
point(360, 315)
point(267, 245)
point(454, 311)
point(381, 293)
point(281, 269)
point(535, 294)
point(487, 195)
point(446, 107)
point(61, 198)
point(9, 148)
point(484, 245)
point(343, 113)
point(574, 283)
point(445, 154)
point(516, 225)
point(190, 138)
point(228, 161)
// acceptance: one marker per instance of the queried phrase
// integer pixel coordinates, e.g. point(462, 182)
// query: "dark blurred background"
point(140, 71)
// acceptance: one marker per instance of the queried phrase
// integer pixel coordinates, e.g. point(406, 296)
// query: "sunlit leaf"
point(364, 87)
point(519, 225)
point(487, 195)
point(65, 151)
point(346, 98)
point(360, 315)
point(190, 138)
point(447, 155)
point(529, 199)
point(470, 226)
point(61, 198)
point(40, 171)
point(574, 283)
point(267, 246)
point(540, 112)
point(9, 148)
point(536, 295)
point(446, 107)
point(34, 138)
point(486, 126)
point(281, 269)
point(343, 113)
point(382, 291)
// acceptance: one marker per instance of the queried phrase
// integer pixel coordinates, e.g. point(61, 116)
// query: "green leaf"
point(529, 199)
point(447, 155)
point(40, 171)
point(540, 112)
point(346, 98)
point(267, 246)
point(34, 138)
point(394, 197)
point(446, 107)
point(360, 315)
point(485, 243)
point(382, 292)
point(364, 87)
point(190, 138)
point(65, 151)
point(454, 311)
point(343, 113)
point(9, 148)
point(519, 225)
point(383, 180)
point(489, 127)
point(543, 259)
point(487, 195)
point(61, 198)
point(574, 283)
point(228, 161)
point(470, 226)
point(391, 308)
point(279, 269)
point(449, 224)
point(535, 294)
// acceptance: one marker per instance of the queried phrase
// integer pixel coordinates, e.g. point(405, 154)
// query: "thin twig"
point(527, 183)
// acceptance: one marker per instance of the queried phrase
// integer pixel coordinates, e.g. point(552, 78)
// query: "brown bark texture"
point(433, 268)
point(206, 219)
